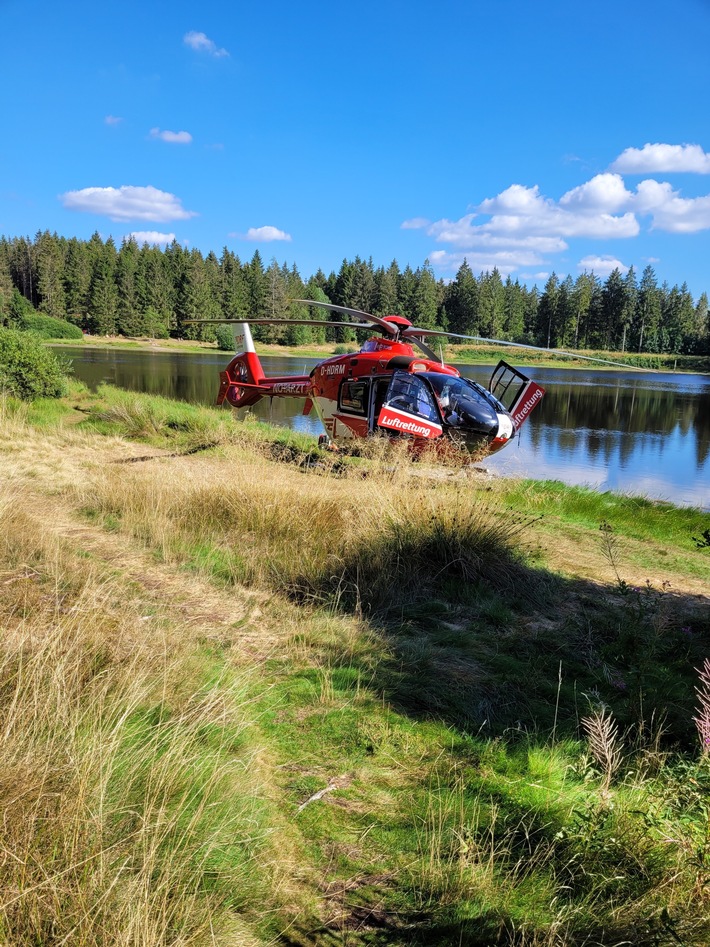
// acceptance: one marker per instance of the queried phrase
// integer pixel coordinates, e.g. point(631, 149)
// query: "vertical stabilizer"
point(243, 341)
point(244, 370)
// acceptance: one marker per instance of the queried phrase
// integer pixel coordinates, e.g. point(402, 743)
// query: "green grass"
point(387, 745)
point(659, 530)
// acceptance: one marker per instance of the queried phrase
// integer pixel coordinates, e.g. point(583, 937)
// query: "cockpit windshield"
point(451, 389)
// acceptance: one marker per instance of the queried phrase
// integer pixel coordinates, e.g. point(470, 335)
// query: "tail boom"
point(243, 383)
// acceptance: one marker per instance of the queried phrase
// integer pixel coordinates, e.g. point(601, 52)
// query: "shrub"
point(19, 307)
point(155, 324)
point(225, 338)
point(47, 327)
point(28, 369)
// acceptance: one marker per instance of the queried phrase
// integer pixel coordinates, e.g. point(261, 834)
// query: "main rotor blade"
point(532, 348)
point(274, 322)
point(420, 345)
point(388, 327)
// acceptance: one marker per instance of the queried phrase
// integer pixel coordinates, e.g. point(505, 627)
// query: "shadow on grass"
point(509, 663)
point(462, 630)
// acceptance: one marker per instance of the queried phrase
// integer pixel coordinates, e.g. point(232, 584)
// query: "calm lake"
point(631, 432)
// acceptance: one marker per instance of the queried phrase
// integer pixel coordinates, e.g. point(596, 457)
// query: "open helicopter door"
point(409, 408)
point(516, 392)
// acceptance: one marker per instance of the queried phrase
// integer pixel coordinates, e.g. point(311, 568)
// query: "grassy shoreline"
point(256, 694)
point(467, 354)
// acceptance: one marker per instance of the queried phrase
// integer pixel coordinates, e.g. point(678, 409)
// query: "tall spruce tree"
point(612, 310)
point(491, 304)
point(426, 297)
point(49, 262)
point(628, 312)
point(77, 281)
point(547, 313)
point(103, 294)
point(513, 311)
point(385, 291)
point(648, 314)
point(462, 302)
point(407, 293)
point(129, 318)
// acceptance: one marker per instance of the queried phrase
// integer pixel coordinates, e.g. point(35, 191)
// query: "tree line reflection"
point(623, 418)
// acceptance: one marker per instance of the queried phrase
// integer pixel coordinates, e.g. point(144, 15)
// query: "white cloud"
point(605, 193)
point(523, 210)
point(416, 223)
point(151, 237)
point(173, 138)
point(669, 211)
point(113, 120)
point(659, 157)
point(521, 228)
point(505, 262)
point(203, 44)
point(127, 203)
point(263, 234)
point(601, 265)
point(464, 233)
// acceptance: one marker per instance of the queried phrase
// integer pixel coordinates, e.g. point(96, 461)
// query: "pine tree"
point(648, 314)
point(628, 314)
point(462, 302)
point(491, 304)
point(157, 293)
point(612, 310)
point(407, 293)
point(197, 298)
point(49, 262)
point(702, 326)
point(103, 295)
point(586, 297)
point(77, 281)
point(233, 284)
point(312, 290)
point(362, 291)
point(129, 318)
point(547, 312)
point(6, 286)
point(385, 290)
point(426, 297)
point(565, 313)
point(22, 268)
point(513, 311)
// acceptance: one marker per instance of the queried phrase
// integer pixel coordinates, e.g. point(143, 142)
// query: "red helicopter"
point(387, 387)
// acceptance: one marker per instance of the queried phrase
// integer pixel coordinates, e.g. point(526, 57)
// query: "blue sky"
point(542, 137)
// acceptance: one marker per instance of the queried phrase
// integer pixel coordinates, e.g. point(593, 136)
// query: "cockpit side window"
point(353, 397)
point(411, 393)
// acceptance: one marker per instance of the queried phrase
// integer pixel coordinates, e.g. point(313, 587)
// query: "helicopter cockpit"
point(466, 404)
point(457, 402)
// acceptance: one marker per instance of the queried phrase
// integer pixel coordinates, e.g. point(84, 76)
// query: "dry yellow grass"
point(125, 771)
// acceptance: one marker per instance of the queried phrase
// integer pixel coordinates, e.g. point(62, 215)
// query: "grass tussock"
point(133, 806)
point(309, 536)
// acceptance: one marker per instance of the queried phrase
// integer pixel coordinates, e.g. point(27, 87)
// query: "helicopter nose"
point(505, 427)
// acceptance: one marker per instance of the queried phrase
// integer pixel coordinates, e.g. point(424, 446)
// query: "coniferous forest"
point(148, 291)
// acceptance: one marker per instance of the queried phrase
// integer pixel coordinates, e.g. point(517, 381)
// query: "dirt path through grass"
point(46, 469)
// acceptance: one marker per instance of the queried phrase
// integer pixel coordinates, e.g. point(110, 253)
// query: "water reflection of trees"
point(601, 418)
